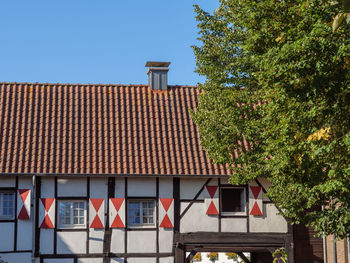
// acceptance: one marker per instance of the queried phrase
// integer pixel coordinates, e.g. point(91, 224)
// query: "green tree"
point(277, 76)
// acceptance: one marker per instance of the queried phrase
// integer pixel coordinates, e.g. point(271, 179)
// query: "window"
point(72, 214)
point(7, 205)
point(233, 201)
point(141, 213)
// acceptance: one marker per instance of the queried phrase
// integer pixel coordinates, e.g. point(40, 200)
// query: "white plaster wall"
point(270, 222)
point(59, 260)
point(166, 260)
point(47, 187)
point(195, 219)
point(119, 190)
point(165, 240)
point(6, 236)
point(96, 240)
point(99, 188)
point(71, 242)
point(117, 241)
point(117, 260)
point(166, 187)
point(46, 241)
point(17, 257)
point(142, 260)
point(142, 186)
point(25, 227)
point(233, 225)
point(190, 187)
point(141, 242)
point(7, 181)
point(90, 260)
point(71, 186)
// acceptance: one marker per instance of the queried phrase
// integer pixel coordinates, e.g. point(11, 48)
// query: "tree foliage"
point(277, 75)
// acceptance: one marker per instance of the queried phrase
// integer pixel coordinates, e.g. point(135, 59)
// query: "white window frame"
point(72, 225)
point(7, 217)
point(142, 225)
point(243, 201)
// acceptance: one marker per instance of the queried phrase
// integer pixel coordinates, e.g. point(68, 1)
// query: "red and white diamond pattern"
point(117, 212)
point(96, 213)
point(23, 204)
point(166, 212)
point(255, 200)
point(211, 200)
point(47, 212)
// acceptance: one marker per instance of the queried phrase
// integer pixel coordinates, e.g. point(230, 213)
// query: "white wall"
point(142, 187)
point(233, 225)
point(117, 241)
point(196, 219)
point(165, 187)
point(68, 186)
point(6, 236)
point(71, 242)
point(142, 260)
point(141, 241)
point(17, 257)
point(166, 260)
point(189, 188)
point(7, 181)
point(90, 260)
point(59, 260)
point(270, 222)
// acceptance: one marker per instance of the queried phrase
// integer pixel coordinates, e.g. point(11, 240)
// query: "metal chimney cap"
point(157, 64)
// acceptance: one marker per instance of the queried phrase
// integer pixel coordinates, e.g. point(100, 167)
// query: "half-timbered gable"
point(116, 173)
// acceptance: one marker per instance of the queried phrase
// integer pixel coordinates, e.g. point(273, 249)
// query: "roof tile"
point(100, 129)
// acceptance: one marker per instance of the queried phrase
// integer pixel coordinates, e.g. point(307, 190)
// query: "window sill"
point(72, 227)
point(141, 226)
point(234, 214)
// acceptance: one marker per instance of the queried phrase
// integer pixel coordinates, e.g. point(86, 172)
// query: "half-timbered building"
point(116, 173)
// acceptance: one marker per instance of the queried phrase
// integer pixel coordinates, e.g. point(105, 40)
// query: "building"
point(115, 173)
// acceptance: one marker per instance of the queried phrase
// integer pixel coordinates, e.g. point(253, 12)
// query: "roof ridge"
point(89, 84)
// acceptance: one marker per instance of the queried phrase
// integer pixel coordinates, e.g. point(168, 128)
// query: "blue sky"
point(97, 41)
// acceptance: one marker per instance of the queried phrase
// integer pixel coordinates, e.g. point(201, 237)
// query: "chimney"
point(158, 74)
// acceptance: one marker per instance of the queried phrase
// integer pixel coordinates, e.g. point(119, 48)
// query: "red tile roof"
point(100, 129)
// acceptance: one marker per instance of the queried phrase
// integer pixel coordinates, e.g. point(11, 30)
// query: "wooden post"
point(180, 253)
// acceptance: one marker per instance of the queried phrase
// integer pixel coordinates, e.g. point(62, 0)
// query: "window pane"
point(232, 200)
point(7, 205)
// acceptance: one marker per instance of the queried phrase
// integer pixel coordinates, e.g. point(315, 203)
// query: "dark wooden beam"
point(232, 239)
point(191, 255)
point(242, 256)
point(180, 253)
point(195, 198)
point(107, 239)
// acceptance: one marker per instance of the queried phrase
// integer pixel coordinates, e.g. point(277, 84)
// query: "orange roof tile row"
point(100, 129)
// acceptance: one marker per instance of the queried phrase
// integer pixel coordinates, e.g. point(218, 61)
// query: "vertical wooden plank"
point(108, 231)
point(15, 216)
point(157, 218)
point(87, 215)
point(56, 216)
point(37, 229)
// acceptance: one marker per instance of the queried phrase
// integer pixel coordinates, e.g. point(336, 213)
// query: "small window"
point(72, 214)
point(233, 201)
point(7, 205)
point(141, 213)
